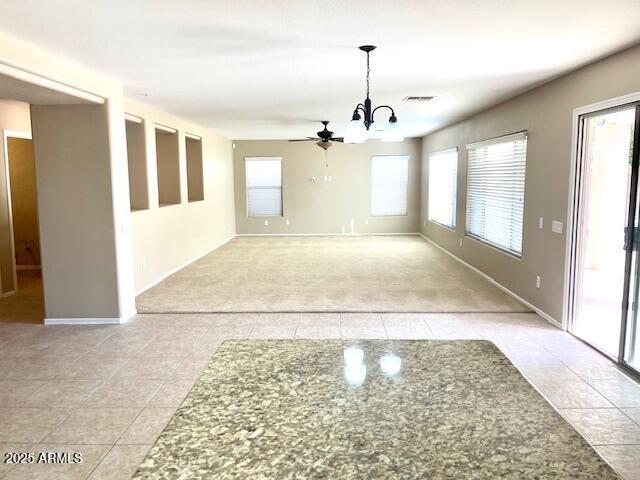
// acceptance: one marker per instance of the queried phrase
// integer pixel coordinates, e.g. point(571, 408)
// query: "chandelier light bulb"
point(356, 132)
point(392, 132)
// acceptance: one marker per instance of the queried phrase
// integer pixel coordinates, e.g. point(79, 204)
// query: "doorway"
point(604, 273)
point(20, 265)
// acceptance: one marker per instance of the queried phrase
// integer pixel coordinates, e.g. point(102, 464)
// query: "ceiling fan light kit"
point(324, 139)
point(358, 127)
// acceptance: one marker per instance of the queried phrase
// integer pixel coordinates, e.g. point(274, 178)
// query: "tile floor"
point(108, 391)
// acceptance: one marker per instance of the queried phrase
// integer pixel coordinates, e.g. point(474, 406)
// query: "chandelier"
point(363, 115)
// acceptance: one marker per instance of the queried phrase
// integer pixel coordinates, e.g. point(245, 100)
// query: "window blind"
point(264, 186)
point(389, 179)
point(495, 191)
point(443, 180)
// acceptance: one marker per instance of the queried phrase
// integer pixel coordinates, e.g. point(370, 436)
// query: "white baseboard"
point(544, 315)
point(324, 234)
point(177, 269)
point(85, 321)
point(91, 321)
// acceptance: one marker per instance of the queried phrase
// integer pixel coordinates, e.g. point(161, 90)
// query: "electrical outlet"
point(541, 223)
point(556, 227)
point(537, 281)
point(266, 223)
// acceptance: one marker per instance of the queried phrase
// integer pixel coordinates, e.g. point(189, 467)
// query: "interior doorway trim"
point(6, 134)
point(41, 81)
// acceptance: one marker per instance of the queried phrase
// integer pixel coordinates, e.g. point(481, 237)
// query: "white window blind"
point(443, 180)
point(495, 191)
point(389, 179)
point(264, 186)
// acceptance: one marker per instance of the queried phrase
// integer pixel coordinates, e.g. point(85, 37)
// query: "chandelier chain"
point(368, 70)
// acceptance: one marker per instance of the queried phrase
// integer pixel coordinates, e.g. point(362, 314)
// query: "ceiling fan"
point(324, 139)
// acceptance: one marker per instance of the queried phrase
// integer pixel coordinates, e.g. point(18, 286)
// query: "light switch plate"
point(541, 223)
point(556, 227)
point(266, 223)
point(287, 222)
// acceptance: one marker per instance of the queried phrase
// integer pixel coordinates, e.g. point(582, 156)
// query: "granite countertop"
point(303, 409)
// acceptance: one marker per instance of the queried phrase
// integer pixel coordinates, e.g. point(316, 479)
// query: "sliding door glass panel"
point(631, 354)
point(632, 340)
point(600, 276)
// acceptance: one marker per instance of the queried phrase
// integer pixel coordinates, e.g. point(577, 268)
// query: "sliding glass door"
point(630, 338)
point(605, 262)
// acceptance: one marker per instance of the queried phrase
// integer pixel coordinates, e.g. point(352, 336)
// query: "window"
point(495, 191)
point(443, 178)
point(389, 179)
point(195, 183)
point(264, 186)
point(168, 166)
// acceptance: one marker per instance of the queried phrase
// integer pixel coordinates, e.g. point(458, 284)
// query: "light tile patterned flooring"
point(108, 391)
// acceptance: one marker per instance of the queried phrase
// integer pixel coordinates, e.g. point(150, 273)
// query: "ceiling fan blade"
point(309, 139)
point(338, 139)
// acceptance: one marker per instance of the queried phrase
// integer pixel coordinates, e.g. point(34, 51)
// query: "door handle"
point(628, 240)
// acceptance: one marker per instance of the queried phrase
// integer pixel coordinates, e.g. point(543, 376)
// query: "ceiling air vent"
point(417, 99)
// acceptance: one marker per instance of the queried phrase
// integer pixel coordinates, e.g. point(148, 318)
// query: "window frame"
point(246, 186)
point(522, 134)
point(406, 211)
point(453, 227)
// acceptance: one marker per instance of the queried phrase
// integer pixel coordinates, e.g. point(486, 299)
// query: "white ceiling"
point(270, 68)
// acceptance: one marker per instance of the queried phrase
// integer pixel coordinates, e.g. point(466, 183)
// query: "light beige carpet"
point(326, 274)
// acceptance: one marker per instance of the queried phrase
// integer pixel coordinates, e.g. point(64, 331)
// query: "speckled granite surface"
point(292, 409)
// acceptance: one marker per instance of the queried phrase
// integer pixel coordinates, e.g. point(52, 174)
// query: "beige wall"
point(163, 239)
point(168, 167)
point(71, 148)
point(14, 116)
point(194, 170)
point(326, 207)
point(166, 238)
point(80, 285)
point(546, 113)
point(137, 161)
point(22, 175)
